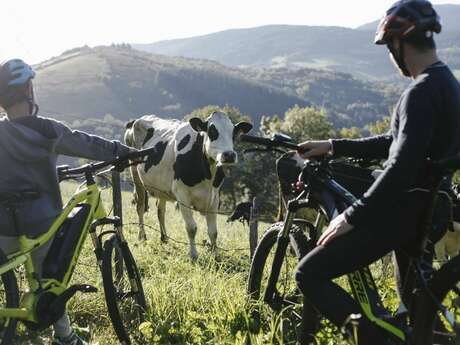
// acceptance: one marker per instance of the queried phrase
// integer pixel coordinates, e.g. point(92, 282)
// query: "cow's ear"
point(198, 125)
point(240, 128)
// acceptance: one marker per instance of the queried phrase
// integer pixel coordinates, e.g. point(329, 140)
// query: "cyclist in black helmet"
point(29, 146)
point(425, 124)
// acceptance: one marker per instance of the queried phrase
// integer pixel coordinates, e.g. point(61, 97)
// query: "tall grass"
point(202, 302)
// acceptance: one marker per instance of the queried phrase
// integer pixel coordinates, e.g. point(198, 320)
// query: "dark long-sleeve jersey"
point(425, 124)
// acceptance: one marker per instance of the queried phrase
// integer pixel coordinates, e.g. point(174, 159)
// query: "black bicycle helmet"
point(405, 18)
point(15, 75)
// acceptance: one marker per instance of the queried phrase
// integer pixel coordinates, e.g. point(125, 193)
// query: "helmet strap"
point(399, 57)
point(33, 108)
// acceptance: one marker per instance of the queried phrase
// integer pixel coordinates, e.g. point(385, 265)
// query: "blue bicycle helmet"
point(15, 75)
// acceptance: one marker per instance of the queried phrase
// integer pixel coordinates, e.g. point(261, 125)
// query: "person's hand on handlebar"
point(314, 148)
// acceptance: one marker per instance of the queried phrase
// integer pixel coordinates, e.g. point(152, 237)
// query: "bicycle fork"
point(270, 296)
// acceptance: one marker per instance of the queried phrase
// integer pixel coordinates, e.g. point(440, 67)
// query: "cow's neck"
point(209, 166)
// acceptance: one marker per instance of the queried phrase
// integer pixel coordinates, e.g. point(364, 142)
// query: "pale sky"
point(38, 29)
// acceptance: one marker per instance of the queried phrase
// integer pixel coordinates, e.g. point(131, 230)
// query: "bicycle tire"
point(115, 295)
point(299, 244)
point(426, 320)
point(9, 299)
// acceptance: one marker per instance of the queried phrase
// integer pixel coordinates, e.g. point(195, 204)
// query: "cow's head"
point(220, 134)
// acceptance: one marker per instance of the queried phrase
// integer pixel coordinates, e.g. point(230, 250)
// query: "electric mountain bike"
point(45, 300)
point(432, 316)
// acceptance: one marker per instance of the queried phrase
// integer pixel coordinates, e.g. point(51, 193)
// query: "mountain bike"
point(432, 315)
point(45, 300)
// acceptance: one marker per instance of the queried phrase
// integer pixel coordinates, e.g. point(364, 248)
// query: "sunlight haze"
point(38, 30)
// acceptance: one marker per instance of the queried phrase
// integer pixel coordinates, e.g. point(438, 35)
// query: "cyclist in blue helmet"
point(29, 146)
point(425, 125)
point(15, 84)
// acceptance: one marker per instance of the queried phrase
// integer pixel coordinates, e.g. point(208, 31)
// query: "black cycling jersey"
point(425, 124)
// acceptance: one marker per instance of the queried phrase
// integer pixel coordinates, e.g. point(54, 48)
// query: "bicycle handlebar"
point(270, 143)
point(65, 172)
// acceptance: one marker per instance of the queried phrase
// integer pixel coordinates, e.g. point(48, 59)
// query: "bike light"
point(299, 186)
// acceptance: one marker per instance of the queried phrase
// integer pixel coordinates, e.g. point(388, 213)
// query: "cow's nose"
point(228, 157)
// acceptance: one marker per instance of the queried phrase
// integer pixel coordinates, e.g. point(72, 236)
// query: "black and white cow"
point(187, 167)
point(242, 212)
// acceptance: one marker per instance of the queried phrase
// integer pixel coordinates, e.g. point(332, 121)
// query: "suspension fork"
point(97, 239)
point(281, 246)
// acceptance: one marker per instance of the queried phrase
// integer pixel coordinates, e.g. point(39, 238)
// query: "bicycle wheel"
point(287, 299)
point(435, 326)
point(9, 298)
point(124, 294)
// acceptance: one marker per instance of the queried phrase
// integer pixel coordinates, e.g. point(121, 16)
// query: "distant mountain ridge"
point(334, 48)
point(89, 83)
point(276, 46)
point(127, 83)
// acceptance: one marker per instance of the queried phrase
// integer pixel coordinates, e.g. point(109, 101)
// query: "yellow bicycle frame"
point(363, 286)
point(89, 195)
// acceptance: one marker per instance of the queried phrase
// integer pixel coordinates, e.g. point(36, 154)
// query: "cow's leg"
point(190, 225)
point(211, 220)
point(140, 208)
point(161, 210)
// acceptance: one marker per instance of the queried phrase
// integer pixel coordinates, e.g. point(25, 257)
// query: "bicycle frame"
point(364, 290)
point(90, 195)
point(362, 283)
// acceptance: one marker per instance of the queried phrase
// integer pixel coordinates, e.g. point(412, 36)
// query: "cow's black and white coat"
point(187, 167)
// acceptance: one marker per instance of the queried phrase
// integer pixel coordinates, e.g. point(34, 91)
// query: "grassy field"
point(189, 303)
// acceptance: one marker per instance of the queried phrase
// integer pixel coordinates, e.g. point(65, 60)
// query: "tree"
point(233, 112)
point(301, 124)
point(380, 127)
point(350, 133)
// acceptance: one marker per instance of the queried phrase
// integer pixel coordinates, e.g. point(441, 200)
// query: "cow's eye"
point(213, 133)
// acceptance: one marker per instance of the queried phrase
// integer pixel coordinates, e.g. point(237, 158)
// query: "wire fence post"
point(253, 225)
point(117, 212)
point(116, 196)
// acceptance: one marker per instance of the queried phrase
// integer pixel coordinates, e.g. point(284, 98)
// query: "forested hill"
point(127, 83)
point(347, 100)
point(335, 48)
